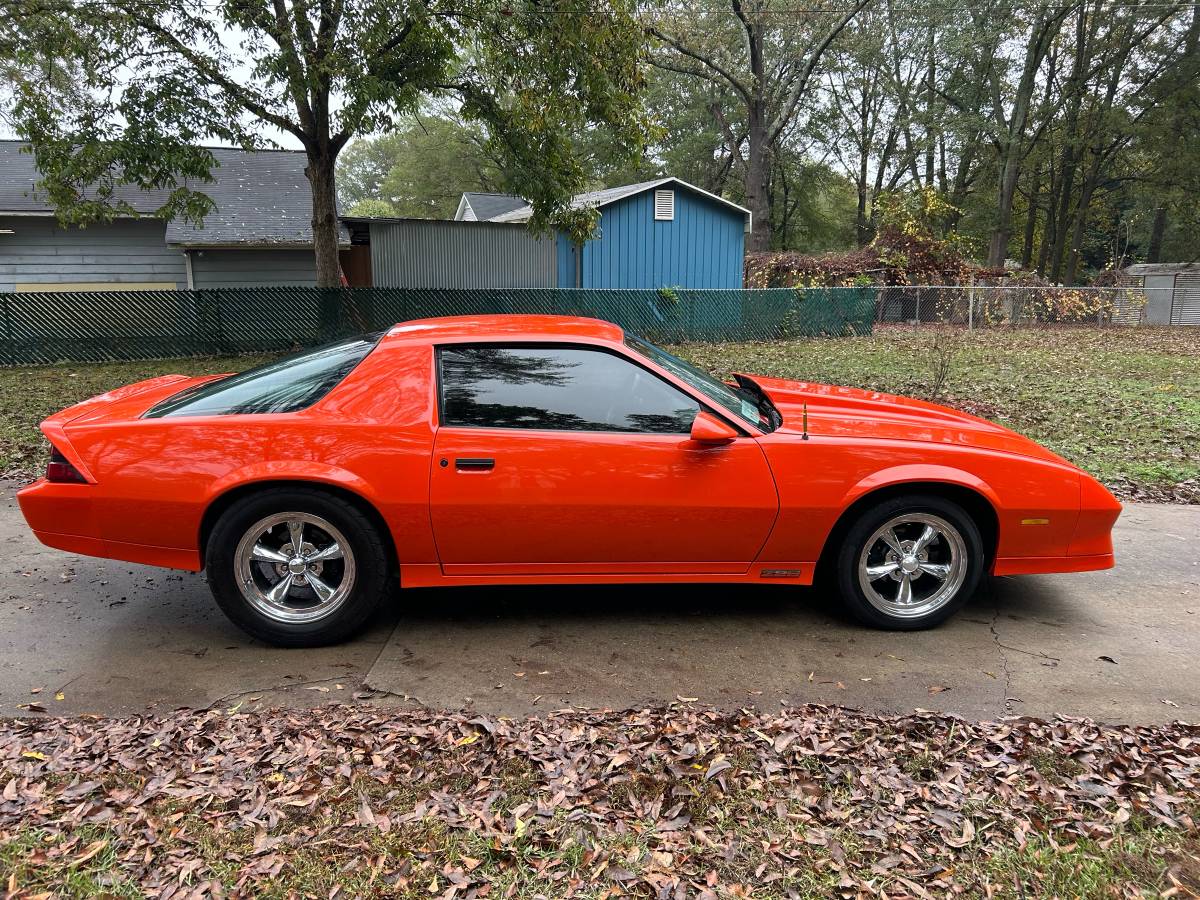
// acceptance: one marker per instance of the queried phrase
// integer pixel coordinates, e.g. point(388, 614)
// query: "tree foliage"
point(158, 79)
point(421, 169)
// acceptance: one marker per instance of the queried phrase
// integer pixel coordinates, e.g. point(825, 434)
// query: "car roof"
point(505, 327)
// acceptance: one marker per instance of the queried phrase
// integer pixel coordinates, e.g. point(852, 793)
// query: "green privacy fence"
point(96, 326)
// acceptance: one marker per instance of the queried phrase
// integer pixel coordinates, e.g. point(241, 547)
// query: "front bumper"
point(1044, 565)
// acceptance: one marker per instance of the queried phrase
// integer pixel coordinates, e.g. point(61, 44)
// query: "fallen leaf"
point(91, 850)
point(718, 765)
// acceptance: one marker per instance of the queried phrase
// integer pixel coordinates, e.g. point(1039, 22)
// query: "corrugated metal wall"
point(1185, 308)
point(702, 247)
point(418, 253)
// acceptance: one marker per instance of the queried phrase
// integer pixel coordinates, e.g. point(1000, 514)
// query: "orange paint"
point(556, 506)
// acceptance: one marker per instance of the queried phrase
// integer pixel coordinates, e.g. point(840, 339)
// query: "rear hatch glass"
point(285, 385)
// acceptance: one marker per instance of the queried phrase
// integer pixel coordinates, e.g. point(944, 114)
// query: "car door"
point(574, 459)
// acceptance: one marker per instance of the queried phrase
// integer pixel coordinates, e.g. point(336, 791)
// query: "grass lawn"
point(1123, 403)
point(811, 802)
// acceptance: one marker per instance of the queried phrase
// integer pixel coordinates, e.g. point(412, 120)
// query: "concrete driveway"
point(115, 638)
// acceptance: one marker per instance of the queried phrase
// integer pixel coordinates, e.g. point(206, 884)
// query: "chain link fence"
point(97, 326)
point(979, 306)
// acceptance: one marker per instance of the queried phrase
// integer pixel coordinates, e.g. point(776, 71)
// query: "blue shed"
point(662, 233)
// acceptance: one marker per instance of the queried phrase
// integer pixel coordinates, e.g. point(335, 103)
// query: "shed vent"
point(664, 206)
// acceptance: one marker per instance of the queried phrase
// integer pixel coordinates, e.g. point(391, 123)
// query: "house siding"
point(125, 251)
point(567, 266)
point(422, 253)
point(702, 247)
point(253, 267)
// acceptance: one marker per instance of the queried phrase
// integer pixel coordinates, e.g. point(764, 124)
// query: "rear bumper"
point(63, 516)
point(1043, 565)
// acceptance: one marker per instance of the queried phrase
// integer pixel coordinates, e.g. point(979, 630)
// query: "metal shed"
point(430, 253)
point(1172, 292)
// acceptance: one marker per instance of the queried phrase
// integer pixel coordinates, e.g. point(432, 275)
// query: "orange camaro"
point(535, 450)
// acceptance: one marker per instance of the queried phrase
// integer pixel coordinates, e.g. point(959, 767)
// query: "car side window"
point(558, 388)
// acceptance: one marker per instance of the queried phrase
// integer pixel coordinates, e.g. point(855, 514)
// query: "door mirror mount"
point(708, 429)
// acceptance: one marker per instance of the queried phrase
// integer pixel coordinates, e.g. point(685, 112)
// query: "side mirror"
point(708, 429)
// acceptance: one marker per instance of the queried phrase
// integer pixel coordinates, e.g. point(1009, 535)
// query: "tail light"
point(60, 471)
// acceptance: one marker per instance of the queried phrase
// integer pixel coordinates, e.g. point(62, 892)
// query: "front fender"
point(908, 474)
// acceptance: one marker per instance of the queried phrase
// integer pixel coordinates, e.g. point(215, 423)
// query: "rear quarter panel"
point(371, 435)
point(819, 478)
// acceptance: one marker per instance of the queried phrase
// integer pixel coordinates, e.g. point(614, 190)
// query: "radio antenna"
point(804, 436)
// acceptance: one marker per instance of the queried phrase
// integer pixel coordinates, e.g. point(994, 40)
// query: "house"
point(664, 233)
point(1172, 292)
point(479, 207)
point(260, 233)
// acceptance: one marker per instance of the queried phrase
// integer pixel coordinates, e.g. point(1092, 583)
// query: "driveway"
point(116, 638)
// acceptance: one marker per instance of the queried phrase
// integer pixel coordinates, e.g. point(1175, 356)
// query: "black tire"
point(850, 560)
point(368, 557)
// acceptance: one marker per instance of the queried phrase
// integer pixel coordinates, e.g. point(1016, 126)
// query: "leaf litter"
point(681, 801)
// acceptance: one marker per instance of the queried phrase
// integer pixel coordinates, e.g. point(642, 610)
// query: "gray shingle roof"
point(261, 197)
point(488, 206)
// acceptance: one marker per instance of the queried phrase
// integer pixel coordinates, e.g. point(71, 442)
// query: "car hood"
point(848, 412)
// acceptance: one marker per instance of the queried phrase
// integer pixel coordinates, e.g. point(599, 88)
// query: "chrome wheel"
point(294, 567)
point(913, 565)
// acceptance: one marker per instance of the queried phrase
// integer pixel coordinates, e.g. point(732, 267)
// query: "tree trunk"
point(1031, 218)
point(1090, 181)
point(1156, 232)
point(862, 227)
point(1066, 182)
point(998, 248)
point(1013, 143)
point(320, 174)
point(1050, 232)
point(758, 175)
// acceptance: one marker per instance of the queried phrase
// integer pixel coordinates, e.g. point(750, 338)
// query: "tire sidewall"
point(865, 526)
point(370, 557)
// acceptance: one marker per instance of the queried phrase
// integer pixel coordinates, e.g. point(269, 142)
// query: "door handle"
point(474, 464)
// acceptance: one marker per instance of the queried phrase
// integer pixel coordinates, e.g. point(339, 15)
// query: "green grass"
point(1137, 860)
point(1123, 403)
point(39, 862)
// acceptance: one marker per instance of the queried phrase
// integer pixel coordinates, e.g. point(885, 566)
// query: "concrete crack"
point(1000, 650)
point(221, 701)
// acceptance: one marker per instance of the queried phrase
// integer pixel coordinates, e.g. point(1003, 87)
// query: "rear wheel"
point(910, 563)
point(297, 567)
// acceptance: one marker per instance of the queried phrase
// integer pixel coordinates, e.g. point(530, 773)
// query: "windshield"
point(742, 403)
point(285, 385)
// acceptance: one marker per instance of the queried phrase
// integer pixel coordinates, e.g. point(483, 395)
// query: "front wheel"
point(910, 563)
point(297, 567)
